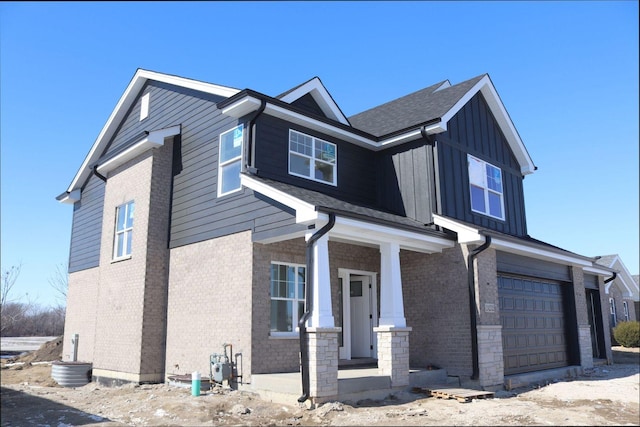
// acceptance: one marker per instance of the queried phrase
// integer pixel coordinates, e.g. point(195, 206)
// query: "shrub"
point(627, 333)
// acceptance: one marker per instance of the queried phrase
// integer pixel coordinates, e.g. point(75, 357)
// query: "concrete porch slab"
point(353, 384)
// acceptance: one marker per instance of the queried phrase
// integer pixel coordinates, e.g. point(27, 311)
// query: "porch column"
point(322, 335)
point(321, 312)
point(393, 333)
point(391, 304)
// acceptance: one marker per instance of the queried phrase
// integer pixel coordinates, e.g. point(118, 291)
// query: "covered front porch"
point(354, 384)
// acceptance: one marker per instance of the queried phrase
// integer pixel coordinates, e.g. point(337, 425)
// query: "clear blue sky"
point(567, 73)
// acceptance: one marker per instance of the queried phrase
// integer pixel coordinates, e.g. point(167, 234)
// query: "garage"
point(536, 325)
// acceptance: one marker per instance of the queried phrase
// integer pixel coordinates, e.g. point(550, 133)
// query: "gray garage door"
point(533, 324)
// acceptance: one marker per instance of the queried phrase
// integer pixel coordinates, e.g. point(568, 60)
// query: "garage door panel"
point(532, 318)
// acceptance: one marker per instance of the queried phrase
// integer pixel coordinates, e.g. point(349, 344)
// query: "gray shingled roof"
point(605, 260)
point(412, 110)
point(326, 203)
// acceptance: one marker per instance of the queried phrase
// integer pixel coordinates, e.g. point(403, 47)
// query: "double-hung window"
point(124, 231)
point(312, 158)
point(287, 298)
point(625, 307)
point(612, 312)
point(230, 160)
point(485, 183)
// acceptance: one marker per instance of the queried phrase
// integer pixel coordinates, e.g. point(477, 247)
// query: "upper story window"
point(287, 298)
point(144, 106)
point(312, 158)
point(485, 183)
point(230, 160)
point(124, 231)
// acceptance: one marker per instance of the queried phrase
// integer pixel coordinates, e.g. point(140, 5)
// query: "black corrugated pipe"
point(250, 145)
point(611, 278)
point(472, 305)
point(304, 348)
point(96, 173)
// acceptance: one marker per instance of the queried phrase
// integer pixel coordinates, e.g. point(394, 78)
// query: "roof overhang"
point(468, 234)
point(350, 229)
point(321, 96)
point(129, 96)
point(624, 278)
point(154, 139)
point(488, 90)
point(250, 102)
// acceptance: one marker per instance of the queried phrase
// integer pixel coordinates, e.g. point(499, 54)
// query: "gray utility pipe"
point(304, 347)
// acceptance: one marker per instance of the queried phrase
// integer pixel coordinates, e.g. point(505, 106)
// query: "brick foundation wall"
point(210, 294)
point(82, 300)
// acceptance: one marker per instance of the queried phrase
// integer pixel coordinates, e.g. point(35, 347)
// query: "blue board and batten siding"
point(474, 130)
point(406, 181)
point(356, 180)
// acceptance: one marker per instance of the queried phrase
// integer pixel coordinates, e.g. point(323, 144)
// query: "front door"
point(361, 316)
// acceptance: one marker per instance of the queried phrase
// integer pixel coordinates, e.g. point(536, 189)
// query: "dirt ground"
point(604, 395)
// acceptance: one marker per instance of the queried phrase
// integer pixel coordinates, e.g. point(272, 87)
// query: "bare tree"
point(10, 312)
point(59, 281)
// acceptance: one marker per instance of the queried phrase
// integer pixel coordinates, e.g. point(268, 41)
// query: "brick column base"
point(323, 364)
point(393, 354)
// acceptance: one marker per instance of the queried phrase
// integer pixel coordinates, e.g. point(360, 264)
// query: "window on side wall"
point(287, 298)
point(312, 158)
point(612, 311)
point(625, 307)
point(485, 185)
point(230, 160)
point(124, 231)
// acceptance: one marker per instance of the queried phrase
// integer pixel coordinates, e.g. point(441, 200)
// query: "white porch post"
point(322, 335)
point(391, 304)
point(393, 333)
point(321, 312)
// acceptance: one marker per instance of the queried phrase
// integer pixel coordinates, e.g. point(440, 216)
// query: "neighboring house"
point(202, 214)
point(622, 292)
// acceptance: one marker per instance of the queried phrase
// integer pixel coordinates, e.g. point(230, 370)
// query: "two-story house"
point(206, 215)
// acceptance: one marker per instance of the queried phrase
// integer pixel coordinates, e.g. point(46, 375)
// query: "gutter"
point(250, 150)
point(472, 305)
point(94, 169)
point(304, 347)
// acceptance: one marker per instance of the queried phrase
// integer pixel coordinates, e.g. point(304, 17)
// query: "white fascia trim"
point(71, 197)
point(502, 117)
point(520, 249)
point(594, 269)
point(465, 233)
point(321, 96)
point(375, 234)
point(305, 213)
point(242, 107)
point(153, 140)
point(125, 101)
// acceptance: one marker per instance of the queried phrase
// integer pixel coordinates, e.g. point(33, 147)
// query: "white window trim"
point(127, 251)
point(313, 159)
point(144, 106)
point(612, 311)
point(625, 307)
point(486, 189)
point(294, 333)
point(230, 161)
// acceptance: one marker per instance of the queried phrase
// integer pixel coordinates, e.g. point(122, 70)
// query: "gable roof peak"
point(321, 96)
